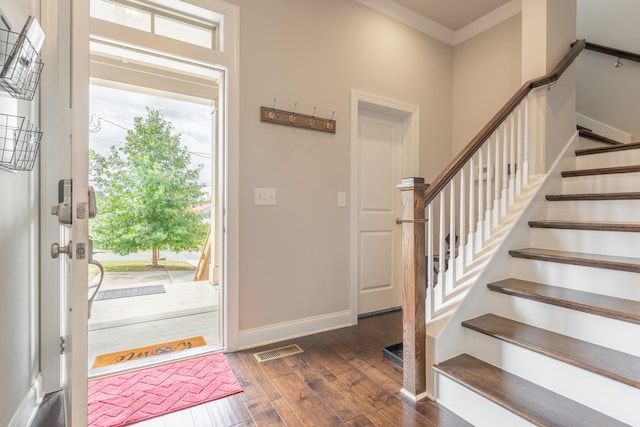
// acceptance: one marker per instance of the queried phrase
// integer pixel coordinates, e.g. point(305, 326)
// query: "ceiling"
point(453, 14)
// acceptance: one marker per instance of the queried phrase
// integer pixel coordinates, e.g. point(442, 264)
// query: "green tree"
point(146, 192)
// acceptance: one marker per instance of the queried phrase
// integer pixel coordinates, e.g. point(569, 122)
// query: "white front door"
point(379, 251)
point(76, 313)
point(65, 119)
point(64, 155)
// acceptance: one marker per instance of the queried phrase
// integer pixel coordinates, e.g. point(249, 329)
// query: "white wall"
point(294, 257)
point(605, 93)
point(486, 73)
point(18, 261)
point(548, 29)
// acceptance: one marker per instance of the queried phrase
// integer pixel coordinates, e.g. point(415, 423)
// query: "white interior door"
point(379, 251)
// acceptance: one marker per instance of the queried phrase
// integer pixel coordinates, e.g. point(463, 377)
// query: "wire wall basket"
point(19, 143)
point(20, 65)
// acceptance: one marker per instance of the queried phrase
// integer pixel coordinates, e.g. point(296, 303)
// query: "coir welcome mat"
point(136, 396)
point(149, 351)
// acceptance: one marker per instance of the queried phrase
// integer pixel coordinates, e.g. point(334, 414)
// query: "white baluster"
point(505, 178)
point(512, 161)
point(471, 241)
point(449, 253)
point(430, 275)
point(496, 189)
point(441, 244)
point(518, 174)
point(525, 162)
point(480, 226)
point(462, 253)
point(490, 192)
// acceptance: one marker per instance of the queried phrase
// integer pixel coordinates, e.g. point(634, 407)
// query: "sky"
point(113, 111)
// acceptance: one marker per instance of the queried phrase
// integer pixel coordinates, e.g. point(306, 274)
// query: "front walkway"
point(186, 309)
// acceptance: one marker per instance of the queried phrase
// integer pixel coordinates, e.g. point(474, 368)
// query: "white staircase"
point(559, 344)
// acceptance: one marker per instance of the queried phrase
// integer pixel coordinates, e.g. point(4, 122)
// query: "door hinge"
point(63, 345)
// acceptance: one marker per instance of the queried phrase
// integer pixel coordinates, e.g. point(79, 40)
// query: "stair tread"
point(601, 305)
point(599, 150)
point(601, 171)
point(587, 133)
point(586, 225)
point(577, 258)
point(535, 404)
point(593, 196)
point(604, 361)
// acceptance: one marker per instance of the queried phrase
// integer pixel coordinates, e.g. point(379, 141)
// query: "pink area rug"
point(136, 396)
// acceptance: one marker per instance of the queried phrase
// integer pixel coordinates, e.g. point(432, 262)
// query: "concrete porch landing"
point(186, 309)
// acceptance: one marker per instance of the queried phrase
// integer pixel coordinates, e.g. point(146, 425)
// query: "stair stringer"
point(445, 335)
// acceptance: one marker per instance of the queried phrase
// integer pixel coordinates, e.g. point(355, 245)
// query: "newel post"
point(413, 297)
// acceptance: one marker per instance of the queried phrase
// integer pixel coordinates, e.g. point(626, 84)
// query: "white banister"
point(470, 207)
point(468, 201)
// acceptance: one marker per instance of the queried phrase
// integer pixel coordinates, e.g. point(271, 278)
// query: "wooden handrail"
point(476, 143)
point(618, 53)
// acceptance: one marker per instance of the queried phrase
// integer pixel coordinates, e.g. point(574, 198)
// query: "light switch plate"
point(342, 199)
point(264, 196)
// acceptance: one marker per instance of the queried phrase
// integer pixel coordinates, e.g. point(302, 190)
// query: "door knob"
point(56, 250)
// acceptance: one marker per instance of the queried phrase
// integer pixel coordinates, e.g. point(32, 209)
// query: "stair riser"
point(474, 408)
point(603, 160)
point(620, 284)
point(589, 143)
point(612, 183)
point(583, 326)
point(609, 397)
point(587, 241)
point(583, 210)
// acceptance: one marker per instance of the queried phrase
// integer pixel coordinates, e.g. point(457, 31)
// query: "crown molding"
point(438, 31)
point(410, 18)
point(489, 20)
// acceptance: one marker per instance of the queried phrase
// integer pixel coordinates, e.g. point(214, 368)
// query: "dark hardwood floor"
point(341, 378)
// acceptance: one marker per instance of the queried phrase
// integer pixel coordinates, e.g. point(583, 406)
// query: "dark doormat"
point(393, 353)
point(130, 292)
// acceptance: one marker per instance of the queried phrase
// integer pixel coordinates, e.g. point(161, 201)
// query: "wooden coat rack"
point(291, 118)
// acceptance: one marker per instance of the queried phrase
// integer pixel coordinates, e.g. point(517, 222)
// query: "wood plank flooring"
point(341, 379)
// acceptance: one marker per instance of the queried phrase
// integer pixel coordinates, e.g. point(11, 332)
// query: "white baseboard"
point(418, 397)
point(29, 405)
point(283, 331)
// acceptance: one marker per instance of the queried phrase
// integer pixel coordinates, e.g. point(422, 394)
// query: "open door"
point(65, 156)
point(65, 175)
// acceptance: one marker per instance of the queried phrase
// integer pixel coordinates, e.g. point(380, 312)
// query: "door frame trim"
point(410, 115)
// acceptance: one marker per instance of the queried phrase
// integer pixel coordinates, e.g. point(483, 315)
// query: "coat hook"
point(292, 116)
point(311, 120)
point(330, 122)
point(272, 113)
